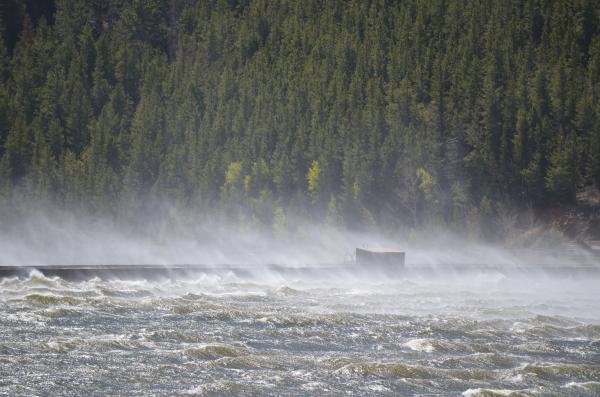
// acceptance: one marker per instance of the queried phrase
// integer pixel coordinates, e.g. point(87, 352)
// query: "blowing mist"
point(250, 198)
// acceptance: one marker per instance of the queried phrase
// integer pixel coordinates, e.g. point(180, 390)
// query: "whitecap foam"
point(591, 385)
point(481, 392)
point(420, 345)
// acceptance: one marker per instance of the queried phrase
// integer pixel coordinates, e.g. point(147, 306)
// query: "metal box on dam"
point(381, 259)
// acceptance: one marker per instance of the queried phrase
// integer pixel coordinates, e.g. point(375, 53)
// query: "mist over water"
point(343, 331)
point(184, 186)
point(61, 238)
point(222, 335)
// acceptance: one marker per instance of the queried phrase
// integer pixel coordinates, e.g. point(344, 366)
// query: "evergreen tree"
point(369, 112)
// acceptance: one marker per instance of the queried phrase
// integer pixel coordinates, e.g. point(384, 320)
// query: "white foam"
point(584, 385)
point(481, 392)
point(421, 345)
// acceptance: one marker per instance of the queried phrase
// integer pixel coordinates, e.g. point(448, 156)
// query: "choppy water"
point(485, 335)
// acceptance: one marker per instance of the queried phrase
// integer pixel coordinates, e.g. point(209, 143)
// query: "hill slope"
point(353, 112)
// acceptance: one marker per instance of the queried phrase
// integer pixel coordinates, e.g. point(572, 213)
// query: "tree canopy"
point(398, 113)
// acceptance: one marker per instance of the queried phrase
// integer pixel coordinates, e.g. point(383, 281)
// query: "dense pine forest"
point(353, 113)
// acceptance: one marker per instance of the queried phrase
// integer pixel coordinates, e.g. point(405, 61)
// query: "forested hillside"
point(389, 113)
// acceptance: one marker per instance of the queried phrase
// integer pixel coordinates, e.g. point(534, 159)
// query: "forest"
point(353, 113)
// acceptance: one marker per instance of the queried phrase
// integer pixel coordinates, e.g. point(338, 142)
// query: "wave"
point(481, 360)
point(552, 371)
point(213, 352)
point(386, 370)
point(221, 388)
point(50, 300)
point(481, 392)
point(102, 344)
point(421, 345)
point(349, 366)
point(285, 291)
point(591, 386)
